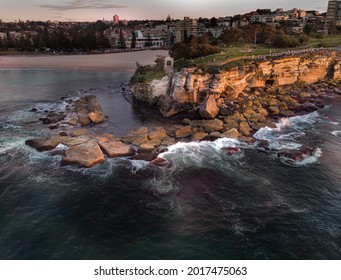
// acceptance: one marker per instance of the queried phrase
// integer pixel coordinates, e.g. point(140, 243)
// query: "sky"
point(92, 10)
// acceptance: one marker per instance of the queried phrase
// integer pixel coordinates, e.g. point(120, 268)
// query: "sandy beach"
point(106, 62)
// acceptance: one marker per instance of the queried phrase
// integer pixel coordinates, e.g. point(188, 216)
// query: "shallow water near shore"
point(206, 204)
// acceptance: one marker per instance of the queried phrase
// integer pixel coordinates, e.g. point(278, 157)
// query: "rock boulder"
point(209, 108)
point(212, 125)
point(114, 148)
point(183, 132)
point(86, 154)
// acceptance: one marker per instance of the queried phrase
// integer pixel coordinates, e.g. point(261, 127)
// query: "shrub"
point(147, 73)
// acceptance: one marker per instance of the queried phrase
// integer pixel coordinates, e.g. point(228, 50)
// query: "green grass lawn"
point(236, 51)
point(326, 41)
point(262, 49)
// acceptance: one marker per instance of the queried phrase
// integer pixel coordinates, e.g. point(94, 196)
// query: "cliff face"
point(190, 87)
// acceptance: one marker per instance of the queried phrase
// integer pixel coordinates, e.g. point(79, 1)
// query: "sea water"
point(206, 204)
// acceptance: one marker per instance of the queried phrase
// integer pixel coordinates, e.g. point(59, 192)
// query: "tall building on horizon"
point(116, 19)
point(334, 12)
point(186, 28)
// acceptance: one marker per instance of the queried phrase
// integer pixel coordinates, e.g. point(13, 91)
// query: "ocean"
point(206, 204)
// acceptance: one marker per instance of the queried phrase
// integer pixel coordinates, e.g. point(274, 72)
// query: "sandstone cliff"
point(190, 88)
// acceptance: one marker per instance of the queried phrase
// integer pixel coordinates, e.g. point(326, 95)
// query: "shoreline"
point(124, 61)
point(147, 144)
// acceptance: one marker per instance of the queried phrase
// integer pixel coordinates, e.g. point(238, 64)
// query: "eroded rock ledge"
point(191, 89)
point(232, 104)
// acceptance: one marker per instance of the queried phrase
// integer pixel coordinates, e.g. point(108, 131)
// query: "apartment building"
point(186, 28)
point(334, 12)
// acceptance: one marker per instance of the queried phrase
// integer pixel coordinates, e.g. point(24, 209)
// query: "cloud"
point(83, 4)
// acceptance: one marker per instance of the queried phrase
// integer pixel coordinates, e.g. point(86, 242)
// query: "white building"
point(143, 42)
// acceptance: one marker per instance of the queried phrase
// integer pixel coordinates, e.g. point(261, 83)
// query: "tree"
point(185, 37)
point(90, 40)
point(24, 44)
point(310, 28)
point(285, 41)
point(39, 41)
point(121, 41)
point(332, 27)
point(133, 41)
point(213, 22)
point(103, 42)
point(99, 26)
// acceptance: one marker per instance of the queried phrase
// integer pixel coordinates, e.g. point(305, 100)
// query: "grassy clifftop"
point(148, 73)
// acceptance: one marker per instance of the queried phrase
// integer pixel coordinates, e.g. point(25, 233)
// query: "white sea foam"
point(61, 147)
point(203, 153)
point(336, 133)
point(313, 158)
point(10, 145)
point(137, 165)
point(284, 136)
point(10, 126)
point(335, 123)
point(294, 123)
point(275, 145)
point(163, 185)
point(198, 147)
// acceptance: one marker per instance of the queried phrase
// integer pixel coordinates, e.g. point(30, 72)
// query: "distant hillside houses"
point(148, 40)
point(142, 34)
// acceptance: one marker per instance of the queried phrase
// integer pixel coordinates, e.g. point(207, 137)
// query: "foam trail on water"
point(336, 133)
point(294, 123)
point(10, 145)
point(313, 158)
point(217, 145)
point(136, 165)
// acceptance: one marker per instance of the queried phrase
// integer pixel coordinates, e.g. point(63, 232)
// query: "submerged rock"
point(297, 156)
point(146, 156)
point(232, 150)
point(73, 122)
point(43, 145)
point(53, 118)
point(79, 132)
point(160, 162)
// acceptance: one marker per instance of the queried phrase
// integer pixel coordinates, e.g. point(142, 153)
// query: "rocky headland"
point(237, 102)
point(231, 103)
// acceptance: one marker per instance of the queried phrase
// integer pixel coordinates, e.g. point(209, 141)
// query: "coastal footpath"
point(231, 103)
